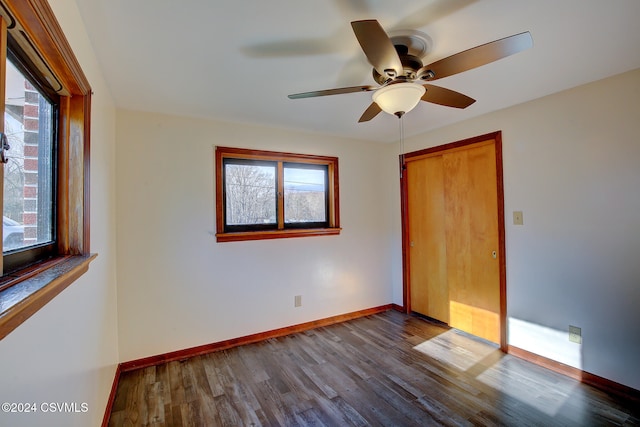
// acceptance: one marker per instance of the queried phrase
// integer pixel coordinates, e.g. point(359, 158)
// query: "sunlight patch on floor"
point(546, 394)
point(506, 374)
point(456, 349)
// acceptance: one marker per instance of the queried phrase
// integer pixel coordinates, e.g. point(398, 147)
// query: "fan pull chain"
point(401, 120)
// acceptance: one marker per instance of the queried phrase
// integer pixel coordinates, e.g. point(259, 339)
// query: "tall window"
point(44, 196)
point(28, 221)
point(264, 194)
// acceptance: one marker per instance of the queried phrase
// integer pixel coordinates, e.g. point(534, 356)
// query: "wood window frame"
point(22, 293)
point(333, 228)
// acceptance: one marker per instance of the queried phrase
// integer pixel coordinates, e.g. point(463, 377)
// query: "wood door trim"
point(502, 260)
point(439, 150)
point(420, 155)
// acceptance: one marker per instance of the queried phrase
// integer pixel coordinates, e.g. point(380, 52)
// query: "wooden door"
point(453, 225)
point(426, 203)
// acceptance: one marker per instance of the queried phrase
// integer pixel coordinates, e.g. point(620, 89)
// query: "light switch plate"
point(517, 218)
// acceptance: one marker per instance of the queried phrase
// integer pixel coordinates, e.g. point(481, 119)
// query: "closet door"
point(454, 265)
point(428, 272)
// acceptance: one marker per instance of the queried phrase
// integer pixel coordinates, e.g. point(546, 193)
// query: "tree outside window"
point(264, 194)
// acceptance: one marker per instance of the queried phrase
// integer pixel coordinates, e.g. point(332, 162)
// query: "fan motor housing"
point(410, 64)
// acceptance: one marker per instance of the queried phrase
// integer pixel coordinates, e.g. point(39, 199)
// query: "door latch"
point(4, 147)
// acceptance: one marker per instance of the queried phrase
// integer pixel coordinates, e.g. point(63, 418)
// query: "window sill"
point(28, 291)
point(275, 234)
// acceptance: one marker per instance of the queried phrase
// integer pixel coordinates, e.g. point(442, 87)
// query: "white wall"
point(572, 165)
point(68, 351)
point(178, 288)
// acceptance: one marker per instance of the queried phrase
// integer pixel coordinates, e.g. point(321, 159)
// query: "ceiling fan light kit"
point(399, 98)
point(397, 64)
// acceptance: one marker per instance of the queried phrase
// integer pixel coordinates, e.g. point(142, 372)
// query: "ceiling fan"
point(400, 73)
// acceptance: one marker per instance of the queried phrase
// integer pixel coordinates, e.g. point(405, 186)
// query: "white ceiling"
point(238, 60)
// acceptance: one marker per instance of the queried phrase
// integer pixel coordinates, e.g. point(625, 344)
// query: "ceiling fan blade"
point(370, 112)
point(446, 97)
point(476, 56)
point(338, 91)
point(378, 48)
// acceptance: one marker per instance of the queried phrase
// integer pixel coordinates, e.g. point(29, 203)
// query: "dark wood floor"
point(387, 369)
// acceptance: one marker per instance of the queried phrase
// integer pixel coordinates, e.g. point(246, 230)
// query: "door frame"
point(415, 155)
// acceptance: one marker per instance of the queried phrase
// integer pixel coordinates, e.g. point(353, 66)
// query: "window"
point(29, 215)
point(46, 100)
point(266, 195)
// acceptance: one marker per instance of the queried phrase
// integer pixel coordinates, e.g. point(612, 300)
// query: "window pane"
point(305, 194)
point(28, 183)
point(250, 194)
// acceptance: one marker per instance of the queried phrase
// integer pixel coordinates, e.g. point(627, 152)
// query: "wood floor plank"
point(135, 412)
point(387, 369)
point(348, 413)
point(154, 401)
point(175, 383)
point(212, 374)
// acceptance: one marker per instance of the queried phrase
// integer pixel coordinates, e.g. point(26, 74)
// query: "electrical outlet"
point(575, 334)
point(297, 301)
point(517, 218)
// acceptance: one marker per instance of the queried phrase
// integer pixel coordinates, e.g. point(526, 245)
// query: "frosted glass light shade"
point(399, 97)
